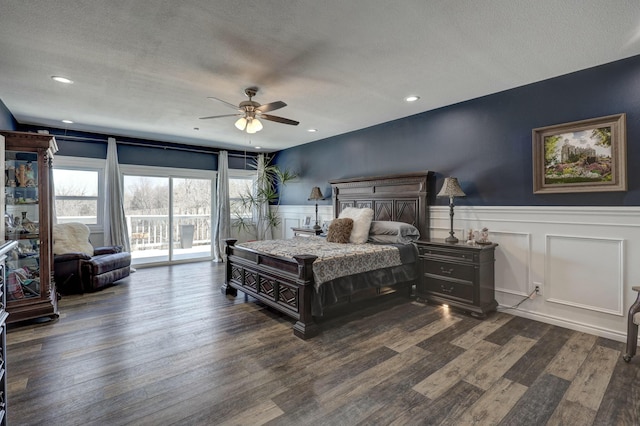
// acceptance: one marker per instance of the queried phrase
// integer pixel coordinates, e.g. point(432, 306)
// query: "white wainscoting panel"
point(513, 262)
point(294, 216)
point(585, 272)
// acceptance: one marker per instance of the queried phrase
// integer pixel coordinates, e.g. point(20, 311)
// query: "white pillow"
point(361, 223)
point(71, 238)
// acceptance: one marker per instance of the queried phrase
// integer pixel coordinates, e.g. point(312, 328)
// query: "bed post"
point(306, 326)
point(226, 288)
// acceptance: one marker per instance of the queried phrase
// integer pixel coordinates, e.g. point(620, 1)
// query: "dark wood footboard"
point(283, 284)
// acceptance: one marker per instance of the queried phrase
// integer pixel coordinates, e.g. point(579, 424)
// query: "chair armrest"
point(635, 308)
point(66, 257)
point(107, 250)
point(636, 288)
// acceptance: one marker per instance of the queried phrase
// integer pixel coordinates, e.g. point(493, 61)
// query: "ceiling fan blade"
point(279, 119)
point(224, 102)
point(271, 106)
point(218, 116)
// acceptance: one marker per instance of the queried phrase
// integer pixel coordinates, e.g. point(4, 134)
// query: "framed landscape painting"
point(583, 156)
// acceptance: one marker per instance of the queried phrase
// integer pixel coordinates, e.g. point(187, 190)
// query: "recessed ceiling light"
point(60, 79)
point(312, 130)
point(258, 147)
point(412, 98)
point(67, 121)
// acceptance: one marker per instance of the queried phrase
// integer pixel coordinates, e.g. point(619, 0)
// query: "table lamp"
point(316, 195)
point(451, 188)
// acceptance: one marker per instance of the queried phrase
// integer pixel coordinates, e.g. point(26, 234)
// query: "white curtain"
point(264, 226)
point(222, 227)
point(115, 230)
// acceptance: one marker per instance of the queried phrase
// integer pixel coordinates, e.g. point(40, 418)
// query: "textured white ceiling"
point(145, 68)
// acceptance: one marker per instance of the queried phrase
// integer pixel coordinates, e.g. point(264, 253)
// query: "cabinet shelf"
point(22, 236)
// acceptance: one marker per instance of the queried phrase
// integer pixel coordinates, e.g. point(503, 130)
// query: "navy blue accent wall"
point(7, 121)
point(484, 142)
point(145, 153)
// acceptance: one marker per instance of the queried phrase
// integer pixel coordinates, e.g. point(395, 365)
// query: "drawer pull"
point(446, 289)
point(446, 271)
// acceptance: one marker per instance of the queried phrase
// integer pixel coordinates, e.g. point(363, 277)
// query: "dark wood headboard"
point(400, 197)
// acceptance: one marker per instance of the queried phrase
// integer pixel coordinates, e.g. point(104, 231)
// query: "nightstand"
point(305, 232)
point(459, 275)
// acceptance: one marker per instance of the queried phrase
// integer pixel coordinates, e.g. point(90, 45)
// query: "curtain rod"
point(151, 145)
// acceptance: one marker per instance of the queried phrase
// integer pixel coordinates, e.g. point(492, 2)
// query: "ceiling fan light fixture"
point(241, 124)
point(254, 126)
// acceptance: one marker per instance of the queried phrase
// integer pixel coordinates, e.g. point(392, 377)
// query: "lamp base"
point(451, 239)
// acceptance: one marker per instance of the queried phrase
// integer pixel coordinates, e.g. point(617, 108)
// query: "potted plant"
point(263, 201)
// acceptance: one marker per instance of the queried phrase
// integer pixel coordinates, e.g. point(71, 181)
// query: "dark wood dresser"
point(459, 275)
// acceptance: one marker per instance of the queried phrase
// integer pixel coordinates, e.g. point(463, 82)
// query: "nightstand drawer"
point(449, 270)
point(450, 289)
point(446, 253)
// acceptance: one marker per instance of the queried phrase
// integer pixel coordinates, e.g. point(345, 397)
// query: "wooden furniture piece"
point(30, 287)
point(287, 285)
point(633, 321)
point(458, 275)
point(305, 232)
point(5, 248)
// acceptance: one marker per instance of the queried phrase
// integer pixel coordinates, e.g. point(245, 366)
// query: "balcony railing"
point(151, 232)
point(147, 232)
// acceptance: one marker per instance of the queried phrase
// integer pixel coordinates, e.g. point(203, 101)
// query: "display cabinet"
point(30, 290)
point(5, 247)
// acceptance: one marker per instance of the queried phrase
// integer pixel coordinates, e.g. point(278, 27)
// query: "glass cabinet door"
point(22, 225)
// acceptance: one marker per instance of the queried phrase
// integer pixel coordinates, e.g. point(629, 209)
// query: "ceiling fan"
point(250, 111)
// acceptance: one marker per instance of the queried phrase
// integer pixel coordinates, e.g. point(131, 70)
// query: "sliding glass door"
point(168, 213)
point(191, 215)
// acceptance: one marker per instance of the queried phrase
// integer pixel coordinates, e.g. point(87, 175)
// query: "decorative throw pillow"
point(361, 223)
point(340, 231)
point(71, 238)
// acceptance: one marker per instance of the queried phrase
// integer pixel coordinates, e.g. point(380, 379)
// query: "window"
point(241, 183)
point(78, 185)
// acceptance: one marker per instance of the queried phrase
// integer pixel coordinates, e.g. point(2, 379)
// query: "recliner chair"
point(81, 268)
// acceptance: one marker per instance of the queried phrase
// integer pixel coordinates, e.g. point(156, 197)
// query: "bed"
point(288, 284)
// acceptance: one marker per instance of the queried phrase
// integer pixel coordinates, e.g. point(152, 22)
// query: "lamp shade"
point(316, 194)
point(254, 125)
point(451, 188)
point(241, 123)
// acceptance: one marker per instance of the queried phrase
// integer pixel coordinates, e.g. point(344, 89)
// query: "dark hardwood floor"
point(164, 347)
